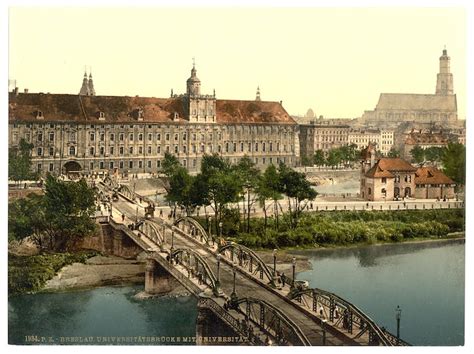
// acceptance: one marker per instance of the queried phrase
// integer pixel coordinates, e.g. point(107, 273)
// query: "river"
point(426, 280)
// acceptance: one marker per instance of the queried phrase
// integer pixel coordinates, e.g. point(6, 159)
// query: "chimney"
point(26, 90)
point(16, 91)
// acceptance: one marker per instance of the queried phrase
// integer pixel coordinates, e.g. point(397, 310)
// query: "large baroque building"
point(91, 133)
point(440, 107)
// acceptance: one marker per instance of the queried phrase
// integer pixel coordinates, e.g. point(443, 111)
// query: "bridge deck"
point(245, 287)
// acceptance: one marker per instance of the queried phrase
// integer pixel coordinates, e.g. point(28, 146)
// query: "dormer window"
point(101, 115)
point(138, 114)
point(39, 114)
point(175, 116)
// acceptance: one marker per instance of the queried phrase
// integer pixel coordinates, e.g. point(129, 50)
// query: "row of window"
point(229, 147)
point(149, 164)
point(229, 129)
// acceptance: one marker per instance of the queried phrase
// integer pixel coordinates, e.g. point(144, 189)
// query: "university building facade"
point(88, 133)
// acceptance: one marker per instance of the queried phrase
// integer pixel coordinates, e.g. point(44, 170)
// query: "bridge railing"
point(272, 321)
point(343, 315)
point(238, 326)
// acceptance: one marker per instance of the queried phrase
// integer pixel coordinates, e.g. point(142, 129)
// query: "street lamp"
point(398, 316)
point(136, 215)
point(323, 327)
point(233, 296)
point(234, 272)
point(293, 263)
point(172, 240)
point(218, 268)
point(274, 261)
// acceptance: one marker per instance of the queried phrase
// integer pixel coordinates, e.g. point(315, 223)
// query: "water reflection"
point(101, 312)
point(369, 256)
point(425, 279)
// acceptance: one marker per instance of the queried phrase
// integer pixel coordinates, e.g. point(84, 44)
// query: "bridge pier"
point(117, 244)
point(157, 279)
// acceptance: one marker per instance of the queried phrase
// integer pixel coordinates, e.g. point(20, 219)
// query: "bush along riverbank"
point(343, 228)
point(29, 274)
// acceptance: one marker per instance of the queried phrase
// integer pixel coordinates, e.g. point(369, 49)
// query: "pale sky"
point(335, 60)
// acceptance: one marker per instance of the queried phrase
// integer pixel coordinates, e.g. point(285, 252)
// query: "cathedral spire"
point(257, 98)
point(444, 82)
point(85, 85)
point(91, 84)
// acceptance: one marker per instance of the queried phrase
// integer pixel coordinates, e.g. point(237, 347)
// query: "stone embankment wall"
point(111, 241)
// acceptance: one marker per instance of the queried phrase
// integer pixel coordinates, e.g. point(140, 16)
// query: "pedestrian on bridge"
point(123, 217)
point(283, 278)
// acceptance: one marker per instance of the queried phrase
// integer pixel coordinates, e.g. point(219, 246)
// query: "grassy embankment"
point(346, 228)
point(28, 274)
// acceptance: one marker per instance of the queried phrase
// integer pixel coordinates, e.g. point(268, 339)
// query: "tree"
point(57, 219)
point(269, 188)
point(393, 153)
point(418, 154)
point(181, 189)
point(298, 190)
point(306, 161)
point(169, 165)
point(434, 154)
point(19, 162)
point(454, 162)
point(248, 176)
point(319, 158)
point(219, 183)
point(334, 157)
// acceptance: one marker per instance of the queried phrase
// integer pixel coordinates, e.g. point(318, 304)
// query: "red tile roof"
point(395, 164)
point(377, 172)
point(431, 175)
point(425, 138)
point(386, 166)
point(122, 109)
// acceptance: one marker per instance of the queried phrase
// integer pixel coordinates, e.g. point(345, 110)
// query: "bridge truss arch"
point(271, 320)
point(248, 260)
point(126, 192)
point(192, 227)
point(344, 315)
point(196, 266)
point(111, 182)
point(151, 230)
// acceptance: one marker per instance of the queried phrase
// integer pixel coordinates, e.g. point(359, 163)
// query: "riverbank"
point(97, 271)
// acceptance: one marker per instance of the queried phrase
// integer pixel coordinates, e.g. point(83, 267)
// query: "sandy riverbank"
point(97, 271)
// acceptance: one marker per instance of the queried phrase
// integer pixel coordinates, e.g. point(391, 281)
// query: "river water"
point(426, 280)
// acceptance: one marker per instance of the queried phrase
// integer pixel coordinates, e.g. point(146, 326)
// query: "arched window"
point(72, 151)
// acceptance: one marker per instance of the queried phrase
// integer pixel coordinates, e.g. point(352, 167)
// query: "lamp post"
point(172, 240)
point(323, 327)
point(233, 296)
point(218, 268)
point(136, 215)
point(398, 316)
point(274, 261)
point(234, 272)
point(293, 263)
